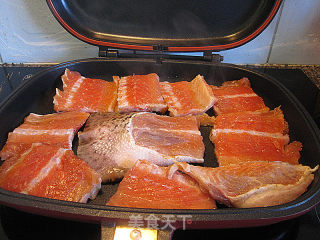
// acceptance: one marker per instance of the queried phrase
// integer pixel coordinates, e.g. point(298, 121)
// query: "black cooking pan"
point(163, 28)
point(37, 94)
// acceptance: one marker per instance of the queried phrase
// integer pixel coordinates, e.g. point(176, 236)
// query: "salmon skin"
point(111, 143)
point(140, 93)
point(50, 172)
point(188, 98)
point(253, 136)
point(258, 184)
point(237, 96)
point(56, 129)
point(85, 94)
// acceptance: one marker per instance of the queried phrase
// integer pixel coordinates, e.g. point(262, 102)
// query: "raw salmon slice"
point(54, 129)
point(237, 96)
point(270, 122)
point(17, 173)
point(71, 180)
point(205, 120)
point(241, 103)
point(85, 94)
point(236, 87)
point(253, 136)
point(50, 172)
point(188, 98)
point(111, 143)
point(258, 184)
point(11, 149)
point(148, 186)
point(138, 93)
point(236, 147)
point(153, 121)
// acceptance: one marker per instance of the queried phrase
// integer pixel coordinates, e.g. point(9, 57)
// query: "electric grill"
point(152, 33)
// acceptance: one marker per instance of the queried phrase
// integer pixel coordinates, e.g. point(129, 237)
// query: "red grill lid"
point(175, 25)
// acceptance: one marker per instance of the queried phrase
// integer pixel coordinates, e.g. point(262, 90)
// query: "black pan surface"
point(36, 96)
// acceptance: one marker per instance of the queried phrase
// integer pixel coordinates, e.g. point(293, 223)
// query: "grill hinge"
point(107, 52)
point(212, 57)
point(160, 54)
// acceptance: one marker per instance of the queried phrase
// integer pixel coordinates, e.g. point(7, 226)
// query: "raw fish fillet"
point(237, 96)
point(50, 172)
point(233, 148)
point(270, 122)
point(188, 98)
point(111, 143)
point(85, 94)
point(253, 136)
point(11, 149)
point(140, 93)
point(148, 186)
point(54, 129)
point(205, 120)
point(258, 184)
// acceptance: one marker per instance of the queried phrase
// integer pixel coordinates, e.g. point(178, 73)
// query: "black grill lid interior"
point(175, 25)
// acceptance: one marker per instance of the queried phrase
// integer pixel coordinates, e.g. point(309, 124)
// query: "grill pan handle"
point(110, 231)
